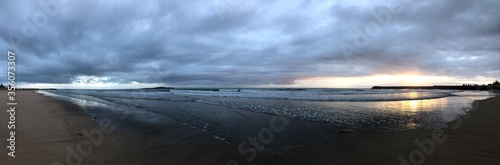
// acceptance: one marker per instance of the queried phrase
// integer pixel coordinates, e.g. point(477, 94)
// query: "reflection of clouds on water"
point(469, 97)
point(449, 116)
point(476, 95)
point(82, 102)
point(85, 103)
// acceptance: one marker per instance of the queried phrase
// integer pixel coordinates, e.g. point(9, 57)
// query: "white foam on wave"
point(324, 94)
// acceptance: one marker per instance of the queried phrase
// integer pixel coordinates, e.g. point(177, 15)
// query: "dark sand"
point(46, 126)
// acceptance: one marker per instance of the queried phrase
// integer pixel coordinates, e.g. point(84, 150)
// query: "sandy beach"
point(49, 130)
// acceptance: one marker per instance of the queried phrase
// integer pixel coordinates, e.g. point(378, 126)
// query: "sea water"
point(229, 114)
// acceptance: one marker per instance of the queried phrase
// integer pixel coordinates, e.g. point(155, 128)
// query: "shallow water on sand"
point(234, 116)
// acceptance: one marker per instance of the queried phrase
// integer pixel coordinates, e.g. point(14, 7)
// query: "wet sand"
point(48, 129)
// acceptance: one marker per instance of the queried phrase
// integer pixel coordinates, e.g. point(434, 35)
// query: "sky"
point(250, 43)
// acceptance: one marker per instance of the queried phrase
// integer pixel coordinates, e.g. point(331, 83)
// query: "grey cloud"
point(253, 43)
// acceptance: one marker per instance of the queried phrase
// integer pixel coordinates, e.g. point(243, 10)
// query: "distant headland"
point(494, 86)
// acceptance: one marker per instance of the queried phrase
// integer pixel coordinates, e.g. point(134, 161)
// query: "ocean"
point(233, 115)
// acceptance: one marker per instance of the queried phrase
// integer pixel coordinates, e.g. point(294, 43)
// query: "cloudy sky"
point(251, 43)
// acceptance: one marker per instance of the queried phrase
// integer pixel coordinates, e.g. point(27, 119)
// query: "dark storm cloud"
point(232, 42)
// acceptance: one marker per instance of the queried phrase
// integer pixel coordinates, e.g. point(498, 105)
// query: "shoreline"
point(47, 126)
point(474, 140)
